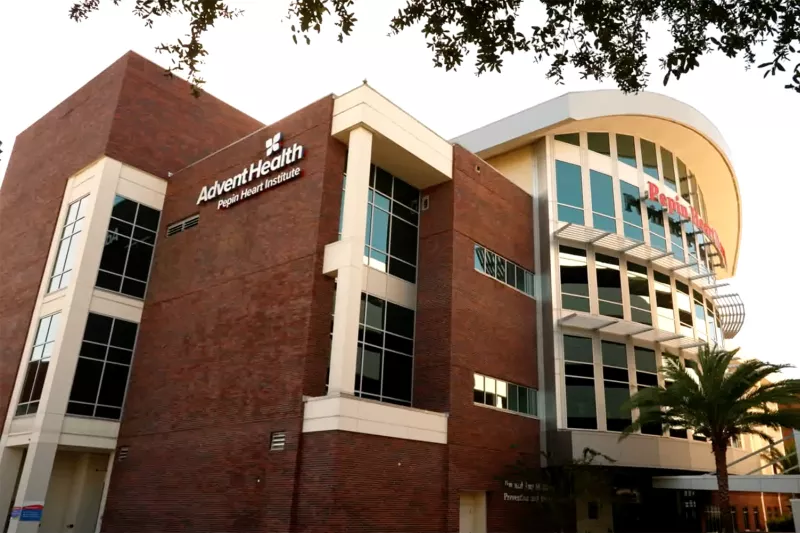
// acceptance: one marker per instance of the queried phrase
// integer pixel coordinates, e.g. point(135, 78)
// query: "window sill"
point(507, 411)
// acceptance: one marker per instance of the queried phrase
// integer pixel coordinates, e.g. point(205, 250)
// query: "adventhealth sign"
point(262, 169)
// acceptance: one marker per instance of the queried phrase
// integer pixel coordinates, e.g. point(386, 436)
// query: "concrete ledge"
point(83, 432)
point(357, 415)
point(771, 484)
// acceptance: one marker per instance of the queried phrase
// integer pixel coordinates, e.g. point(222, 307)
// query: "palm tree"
point(720, 403)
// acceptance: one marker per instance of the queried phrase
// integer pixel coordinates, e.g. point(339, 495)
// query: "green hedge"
point(784, 523)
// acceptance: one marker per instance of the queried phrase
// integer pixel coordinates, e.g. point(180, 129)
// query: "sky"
point(254, 66)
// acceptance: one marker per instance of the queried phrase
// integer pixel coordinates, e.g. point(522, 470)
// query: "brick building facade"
point(337, 322)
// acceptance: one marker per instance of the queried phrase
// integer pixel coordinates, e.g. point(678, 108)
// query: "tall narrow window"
point(603, 202)
point(574, 278)
point(128, 251)
point(675, 431)
point(691, 245)
point(676, 236)
point(631, 211)
point(569, 192)
point(598, 142)
point(668, 164)
point(756, 518)
point(609, 285)
point(616, 385)
point(384, 363)
point(392, 225)
point(685, 182)
point(647, 376)
point(658, 236)
point(700, 316)
point(104, 364)
point(639, 288)
point(68, 245)
point(745, 519)
point(626, 150)
point(36, 372)
point(579, 377)
point(684, 308)
point(649, 159)
point(666, 313)
point(712, 325)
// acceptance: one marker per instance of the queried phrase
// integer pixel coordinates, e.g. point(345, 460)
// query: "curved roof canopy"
point(668, 122)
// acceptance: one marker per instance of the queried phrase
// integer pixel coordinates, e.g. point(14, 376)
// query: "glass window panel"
point(80, 409)
point(133, 288)
point(578, 349)
point(38, 383)
point(685, 179)
point(609, 284)
point(98, 328)
point(626, 150)
point(614, 354)
point(570, 138)
point(649, 159)
point(575, 303)
point(602, 193)
point(30, 378)
point(115, 253)
point(147, 217)
point(144, 235)
point(617, 417)
point(501, 395)
point(379, 238)
point(523, 400)
point(668, 165)
point(399, 320)
point(604, 223)
point(569, 188)
point(646, 379)
point(666, 313)
point(371, 370)
point(124, 334)
point(405, 213)
point(513, 397)
point(574, 272)
point(511, 272)
point(383, 181)
point(631, 204)
point(581, 409)
point(598, 142)
point(570, 214)
point(612, 373)
point(93, 351)
point(119, 355)
point(399, 344)
point(402, 270)
point(375, 310)
point(655, 214)
point(684, 308)
point(478, 389)
point(87, 380)
point(406, 194)
point(112, 388)
point(579, 370)
point(124, 209)
point(500, 269)
point(139, 261)
point(380, 200)
point(480, 258)
point(651, 428)
point(490, 261)
point(119, 228)
point(676, 236)
point(645, 359)
point(107, 412)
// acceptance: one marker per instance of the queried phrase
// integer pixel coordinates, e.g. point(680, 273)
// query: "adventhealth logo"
point(275, 159)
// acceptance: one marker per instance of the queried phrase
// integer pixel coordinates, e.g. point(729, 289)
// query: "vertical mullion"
point(102, 372)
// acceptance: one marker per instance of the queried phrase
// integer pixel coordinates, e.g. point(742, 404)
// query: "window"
point(41, 352)
point(677, 432)
point(384, 364)
point(639, 288)
point(684, 308)
point(569, 192)
point(183, 225)
point(647, 376)
point(756, 518)
point(668, 164)
point(666, 313)
point(691, 245)
point(712, 329)
point(676, 236)
point(700, 316)
point(603, 201)
point(609, 286)
point(104, 364)
point(570, 138)
point(631, 211)
point(599, 143)
point(655, 214)
point(67, 245)
point(733, 518)
point(616, 386)
point(745, 518)
point(505, 395)
point(626, 150)
point(392, 225)
point(503, 270)
point(649, 159)
point(128, 251)
point(574, 278)
point(579, 377)
point(685, 182)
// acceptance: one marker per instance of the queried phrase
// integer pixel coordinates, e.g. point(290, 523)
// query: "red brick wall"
point(468, 322)
point(752, 501)
point(129, 111)
point(235, 331)
point(368, 484)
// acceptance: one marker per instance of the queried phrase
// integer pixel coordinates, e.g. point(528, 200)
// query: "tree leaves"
point(599, 39)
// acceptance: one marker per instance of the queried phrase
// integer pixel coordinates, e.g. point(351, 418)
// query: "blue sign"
point(31, 513)
point(15, 512)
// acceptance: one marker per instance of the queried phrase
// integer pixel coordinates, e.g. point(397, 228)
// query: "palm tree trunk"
point(721, 461)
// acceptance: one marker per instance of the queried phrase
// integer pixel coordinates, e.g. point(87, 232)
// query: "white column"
point(33, 483)
point(796, 513)
point(344, 344)
point(10, 462)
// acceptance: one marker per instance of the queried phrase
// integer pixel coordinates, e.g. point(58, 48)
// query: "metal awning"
point(730, 311)
point(626, 328)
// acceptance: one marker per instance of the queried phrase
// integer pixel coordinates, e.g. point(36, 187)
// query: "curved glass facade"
point(601, 180)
